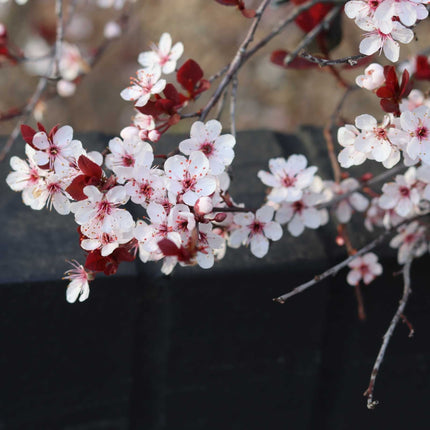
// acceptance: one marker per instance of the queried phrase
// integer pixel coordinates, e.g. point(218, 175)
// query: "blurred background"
point(269, 96)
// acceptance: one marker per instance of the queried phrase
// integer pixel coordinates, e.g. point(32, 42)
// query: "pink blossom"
point(256, 230)
point(207, 139)
point(365, 268)
point(375, 40)
point(164, 55)
point(188, 178)
point(79, 285)
point(411, 240)
point(146, 84)
point(288, 178)
point(401, 195)
point(301, 213)
point(60, 152)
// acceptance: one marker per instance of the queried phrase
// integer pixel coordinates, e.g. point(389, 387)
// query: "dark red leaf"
point(168, 248)
point(88, 167)
point(310, 18)
point(75, 189)
point(423, 68)
point(389, 106)
point(189, 74)
point(27, 134)
point(384, 93)
point(41, 127)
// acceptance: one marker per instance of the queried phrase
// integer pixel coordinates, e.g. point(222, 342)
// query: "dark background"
point(204, 349)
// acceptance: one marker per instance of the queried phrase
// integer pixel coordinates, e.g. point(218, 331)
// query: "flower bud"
point(154, 135)
point(220, 217)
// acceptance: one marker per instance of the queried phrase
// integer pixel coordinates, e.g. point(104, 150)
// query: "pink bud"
point(220, 217)
point(203, 206)
point(143, 134)
point(154, 135)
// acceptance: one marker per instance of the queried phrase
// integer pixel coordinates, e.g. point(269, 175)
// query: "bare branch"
point(237, 60)
point(312, 34)
point(59, 38)
point(233, 106)
point(335, 269)
point(371, 404)
point(284, 23)
point(352, 60)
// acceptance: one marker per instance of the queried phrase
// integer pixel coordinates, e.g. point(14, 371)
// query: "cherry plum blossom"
point(164, 55)
point(288, 178)
point(255, 230)
point(364, 268)
point(207, 138)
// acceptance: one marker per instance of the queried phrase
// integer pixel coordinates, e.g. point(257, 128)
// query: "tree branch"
point(335, 269)
point(352, 60)
point(237, 60)
point(371, 404)
point(312, 34)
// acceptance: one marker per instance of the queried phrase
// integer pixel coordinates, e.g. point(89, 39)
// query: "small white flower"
point(188, 178)
point(78, 287)
point(401, 195)
point(128, 153)
point(411, 238)
point(375, 40)
point(417, 124)
point(146, 84)
point(288, 178)
point(256, 230)
point(59, 152)
point(101, 211)
point(374, 139)
point(365, 268)
point(349, 156)
point(301, 214)
point(345, 207)
point(207, 138)
point(164, 55)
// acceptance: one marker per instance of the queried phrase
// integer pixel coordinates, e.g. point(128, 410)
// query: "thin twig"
point(59, 37)
point(218, 74)
point(284, 23)
point(352, 60)
point(233, 99)
point(312, 34)
point(236, 62)
point(371, 404)
point(408, 323)
point(220, 107)
point(336, 268)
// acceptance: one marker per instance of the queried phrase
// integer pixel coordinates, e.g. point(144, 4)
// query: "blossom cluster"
point(405, 131)
point(386, 22)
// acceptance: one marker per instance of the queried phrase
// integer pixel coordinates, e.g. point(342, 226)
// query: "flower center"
point(207, 148)
point(381, 133)
point(421, 132)
point(298, 206)
point(257, 227)
point(404, 191)
point(127, 161)
point(288, 181)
